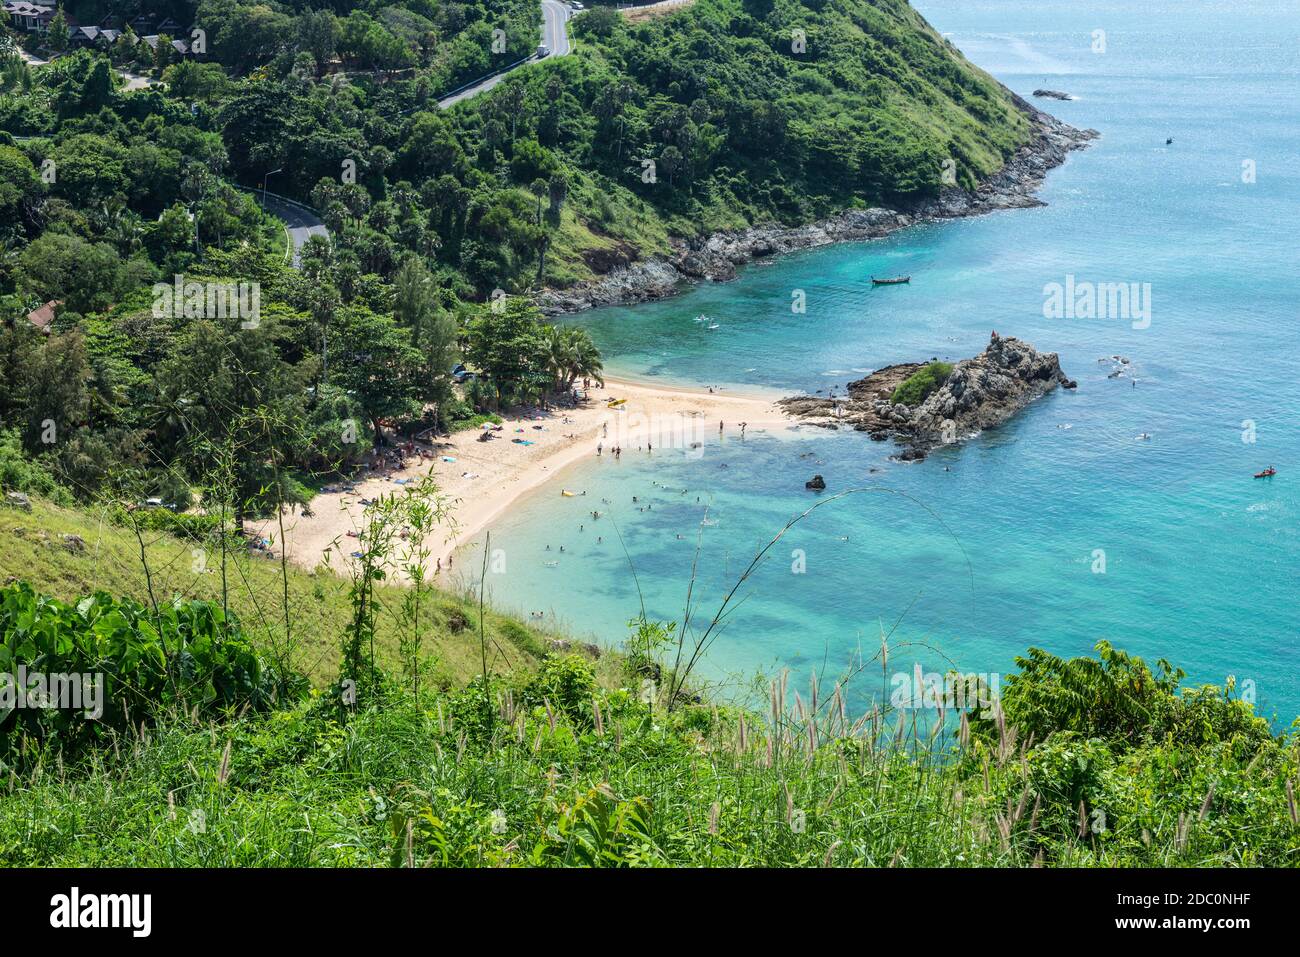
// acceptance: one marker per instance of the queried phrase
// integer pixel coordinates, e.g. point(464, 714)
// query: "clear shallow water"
point(986, 549)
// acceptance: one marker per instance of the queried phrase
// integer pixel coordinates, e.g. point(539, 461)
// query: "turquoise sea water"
point(986, 549)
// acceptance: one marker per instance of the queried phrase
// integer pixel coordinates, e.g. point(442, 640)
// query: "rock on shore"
point(980, 393)
point(715, 258)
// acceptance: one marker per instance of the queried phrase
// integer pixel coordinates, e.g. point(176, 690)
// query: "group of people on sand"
point(389, 460)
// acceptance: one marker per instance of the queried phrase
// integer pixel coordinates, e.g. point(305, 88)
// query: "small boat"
point(890, 282)
point(566, 493)
point(1270, 471)
point(616, 402)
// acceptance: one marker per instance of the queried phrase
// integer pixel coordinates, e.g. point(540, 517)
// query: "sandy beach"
point(481, 480)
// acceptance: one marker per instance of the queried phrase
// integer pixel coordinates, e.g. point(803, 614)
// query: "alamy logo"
point(1098, 300)
point(49, 692)
point(103, 910)
point(208, 300)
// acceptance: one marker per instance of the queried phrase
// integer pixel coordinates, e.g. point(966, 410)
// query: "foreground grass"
point(561, 778)
point(562, 761)
point(33, 548)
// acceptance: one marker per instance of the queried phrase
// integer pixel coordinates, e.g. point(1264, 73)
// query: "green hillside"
point(35, 548)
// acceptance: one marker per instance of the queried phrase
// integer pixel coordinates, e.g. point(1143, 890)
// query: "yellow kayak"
point(566, 493)
point(614, 402)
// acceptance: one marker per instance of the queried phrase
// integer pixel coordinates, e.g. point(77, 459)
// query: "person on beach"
point(599, 447)
point(719, 422)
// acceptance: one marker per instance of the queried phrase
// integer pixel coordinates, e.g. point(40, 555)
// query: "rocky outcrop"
point(1053, 94)
point(980, 393)
point(715, 258)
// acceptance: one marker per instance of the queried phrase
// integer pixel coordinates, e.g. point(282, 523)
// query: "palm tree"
point(555, 354)
point(567, 354)
point(586, 362)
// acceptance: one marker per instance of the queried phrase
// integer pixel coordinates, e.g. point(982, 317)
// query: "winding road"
point(555, 19)
point(302, 223)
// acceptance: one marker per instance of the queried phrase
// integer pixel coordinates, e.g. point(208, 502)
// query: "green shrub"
point(19, 472)
point(568, 683)
point(468, 419)
point(1118, 698)
point(191, 526)
point(921, 384)
point(187, 656)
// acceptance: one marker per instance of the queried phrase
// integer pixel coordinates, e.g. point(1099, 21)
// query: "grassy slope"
point(32, 549)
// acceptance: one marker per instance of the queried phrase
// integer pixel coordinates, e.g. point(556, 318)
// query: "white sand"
point(486, 478)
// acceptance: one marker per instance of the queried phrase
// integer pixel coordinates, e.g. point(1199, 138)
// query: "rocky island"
point(924, 405)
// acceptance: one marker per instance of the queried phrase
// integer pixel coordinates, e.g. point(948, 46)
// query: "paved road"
point(555, 19)
point(300, 222)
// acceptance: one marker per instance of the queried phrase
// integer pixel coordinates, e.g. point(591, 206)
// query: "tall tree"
point(377, 366)
point(433, 330)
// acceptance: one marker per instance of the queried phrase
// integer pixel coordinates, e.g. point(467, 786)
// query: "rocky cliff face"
point(980, 393)
point(716, 257)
